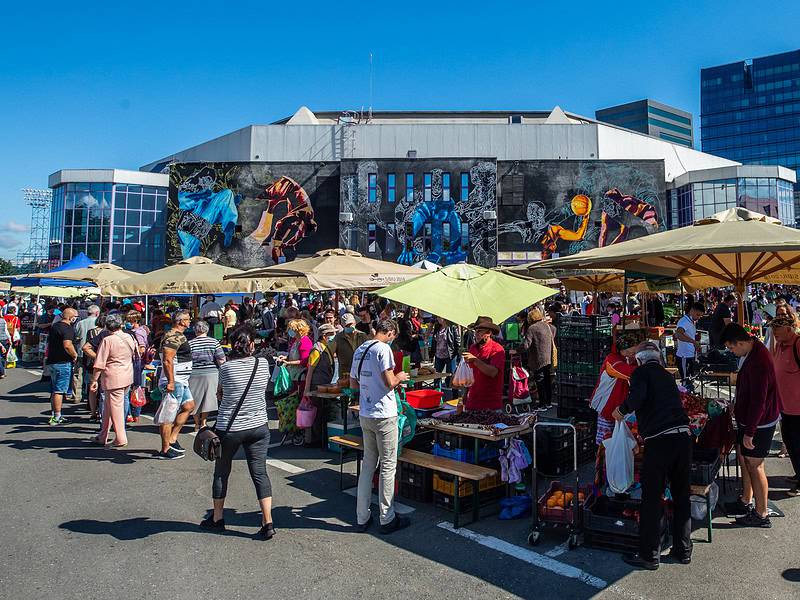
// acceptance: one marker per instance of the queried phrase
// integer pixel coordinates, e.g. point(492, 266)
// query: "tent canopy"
point(196, 275)
point(334, 269)
point(731, 248)
point(461, 293)
point(100, 274)
point(47, 279)
point(602, 280)
point(57, 292)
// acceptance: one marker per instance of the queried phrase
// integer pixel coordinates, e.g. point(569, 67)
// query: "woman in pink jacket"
point(115, 363)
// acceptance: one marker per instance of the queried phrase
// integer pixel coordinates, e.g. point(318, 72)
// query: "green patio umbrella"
point(461, 293)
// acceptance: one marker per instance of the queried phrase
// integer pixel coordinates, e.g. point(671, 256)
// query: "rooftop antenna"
point(369, 117)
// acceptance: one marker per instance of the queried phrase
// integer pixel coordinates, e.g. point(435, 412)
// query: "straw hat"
point(486, 323)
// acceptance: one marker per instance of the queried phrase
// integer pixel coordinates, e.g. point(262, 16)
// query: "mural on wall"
point(249, 214)
point(413, 210)
point(563, 207)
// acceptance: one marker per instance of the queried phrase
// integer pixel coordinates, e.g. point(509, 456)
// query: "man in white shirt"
point(211, 312)
point(373, 374)
point(687, 345)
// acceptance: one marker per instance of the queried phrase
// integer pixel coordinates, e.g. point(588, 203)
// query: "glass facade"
point(119, 223)
point(750, 110)
point(695, 201)
point(645, 118)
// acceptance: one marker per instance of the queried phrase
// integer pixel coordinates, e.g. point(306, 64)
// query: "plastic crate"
point(446, 501)
point(445, 484)
point(605, 515)
point(485, 453)
point(706, 464)
point(561, 515)
point(593, 320)
point(577, 408)
point(612, 542)
point(415, 482)
point(575, 379)
point(424, 399)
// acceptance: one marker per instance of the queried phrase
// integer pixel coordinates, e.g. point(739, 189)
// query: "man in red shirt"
point(487, 359)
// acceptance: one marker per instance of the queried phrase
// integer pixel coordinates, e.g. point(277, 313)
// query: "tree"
point(6, 268)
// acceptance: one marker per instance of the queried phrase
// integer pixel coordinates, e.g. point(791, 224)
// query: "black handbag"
point(207, 444)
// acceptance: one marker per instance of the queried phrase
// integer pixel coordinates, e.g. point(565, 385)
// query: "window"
point(663, 113)
point(428, 183)
point(410, 186)
point(372, 238)
point(515, 119)
point(464, 186)
point(372, 187)
point(670, 126)
point(391, 238)
point(464, 236)
point(512, 190)
point(391, 187)
point(445, 237)
point(445, 186)
point(427, 236)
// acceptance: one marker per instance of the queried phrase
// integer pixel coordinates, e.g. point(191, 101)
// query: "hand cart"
point(540, 524)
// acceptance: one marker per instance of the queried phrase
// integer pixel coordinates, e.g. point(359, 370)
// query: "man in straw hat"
point(487, 359)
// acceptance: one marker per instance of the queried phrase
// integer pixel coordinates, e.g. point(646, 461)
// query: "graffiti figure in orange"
point(288, 218)
point(581, 206)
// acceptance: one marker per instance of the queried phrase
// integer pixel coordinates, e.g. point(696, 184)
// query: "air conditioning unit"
point(345, 217)
point(411, 154)
point(489, 215)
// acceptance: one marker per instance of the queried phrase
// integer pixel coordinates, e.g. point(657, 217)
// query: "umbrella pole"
point(146, 310)
point(740, 291)
point(624, 299)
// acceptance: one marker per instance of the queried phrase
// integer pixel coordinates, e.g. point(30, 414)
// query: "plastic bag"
point(282, 379)
point(11, 358)
point(406, 422)
point(463, 376)
point(619, 458)
point(699, 509)
point(306, 414)
point(138, 399)
point(167, 410)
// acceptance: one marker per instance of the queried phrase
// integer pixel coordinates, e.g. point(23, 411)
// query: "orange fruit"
point(551, 502)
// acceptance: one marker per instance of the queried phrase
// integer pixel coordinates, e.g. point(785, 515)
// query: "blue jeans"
point(3, 358)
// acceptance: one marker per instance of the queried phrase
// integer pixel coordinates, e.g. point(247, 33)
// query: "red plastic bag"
point(138, 399)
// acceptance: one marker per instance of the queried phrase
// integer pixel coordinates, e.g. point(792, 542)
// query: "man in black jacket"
point(663, 424)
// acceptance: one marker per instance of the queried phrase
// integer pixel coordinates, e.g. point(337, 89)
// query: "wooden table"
point(325, 397)
point(418, 379)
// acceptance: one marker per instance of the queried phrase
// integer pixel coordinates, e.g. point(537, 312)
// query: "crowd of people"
point(221, 364)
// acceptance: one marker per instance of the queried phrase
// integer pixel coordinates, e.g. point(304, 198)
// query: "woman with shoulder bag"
point(242, 421)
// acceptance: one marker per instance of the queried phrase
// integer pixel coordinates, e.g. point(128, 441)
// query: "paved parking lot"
point(85, 522)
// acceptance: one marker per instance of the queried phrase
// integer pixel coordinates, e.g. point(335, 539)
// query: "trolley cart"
point(550, 520)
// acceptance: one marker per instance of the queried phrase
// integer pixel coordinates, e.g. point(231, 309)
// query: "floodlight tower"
point(39, 200)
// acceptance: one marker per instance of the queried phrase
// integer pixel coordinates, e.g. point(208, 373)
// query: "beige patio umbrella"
point(596, 280)
point(732, 248)
point(101, 274)
point(196, 275)
point(334, 269)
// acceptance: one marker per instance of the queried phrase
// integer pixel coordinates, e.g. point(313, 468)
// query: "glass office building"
point(652, 118)
point(750, 111)
point(111, 215)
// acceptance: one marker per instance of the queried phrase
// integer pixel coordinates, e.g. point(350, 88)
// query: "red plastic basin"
point(424, 398)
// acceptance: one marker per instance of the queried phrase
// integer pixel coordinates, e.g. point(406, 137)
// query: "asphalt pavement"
point(79, 521)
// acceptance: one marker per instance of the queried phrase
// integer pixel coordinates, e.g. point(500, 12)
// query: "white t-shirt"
point(685, 349)
point(377, 400)
point(210, 309)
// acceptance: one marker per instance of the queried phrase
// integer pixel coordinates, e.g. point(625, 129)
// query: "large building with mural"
point(488, 187)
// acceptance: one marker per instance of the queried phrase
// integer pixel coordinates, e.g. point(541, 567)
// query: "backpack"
point(520, 392)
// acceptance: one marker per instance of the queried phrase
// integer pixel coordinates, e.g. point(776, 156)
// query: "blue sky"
point(92, 84)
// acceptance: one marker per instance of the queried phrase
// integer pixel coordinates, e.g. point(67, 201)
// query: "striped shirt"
point(206, 352)
point(233, 377)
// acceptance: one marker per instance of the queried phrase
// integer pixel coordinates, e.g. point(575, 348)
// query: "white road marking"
point(284, 466)
point(37, 373)
point(399, 508)
point(558, 550)
point(528, 556)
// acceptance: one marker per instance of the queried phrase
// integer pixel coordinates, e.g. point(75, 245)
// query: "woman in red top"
point(12, 321)
point(612, 387)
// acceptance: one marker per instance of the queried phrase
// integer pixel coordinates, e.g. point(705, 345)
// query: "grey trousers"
point(380, 444)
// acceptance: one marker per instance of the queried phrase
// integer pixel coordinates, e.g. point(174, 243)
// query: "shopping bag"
point(463, 376)
point(11, 359)
point(406, 422)
point(619, 458)
point(167, 410)
point(306, 414)
point(287, 413)
point(282, 379)
point(138, 399)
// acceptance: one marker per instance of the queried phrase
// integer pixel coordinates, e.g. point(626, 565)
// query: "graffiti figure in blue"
point(436, 213)
point(200, 210)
